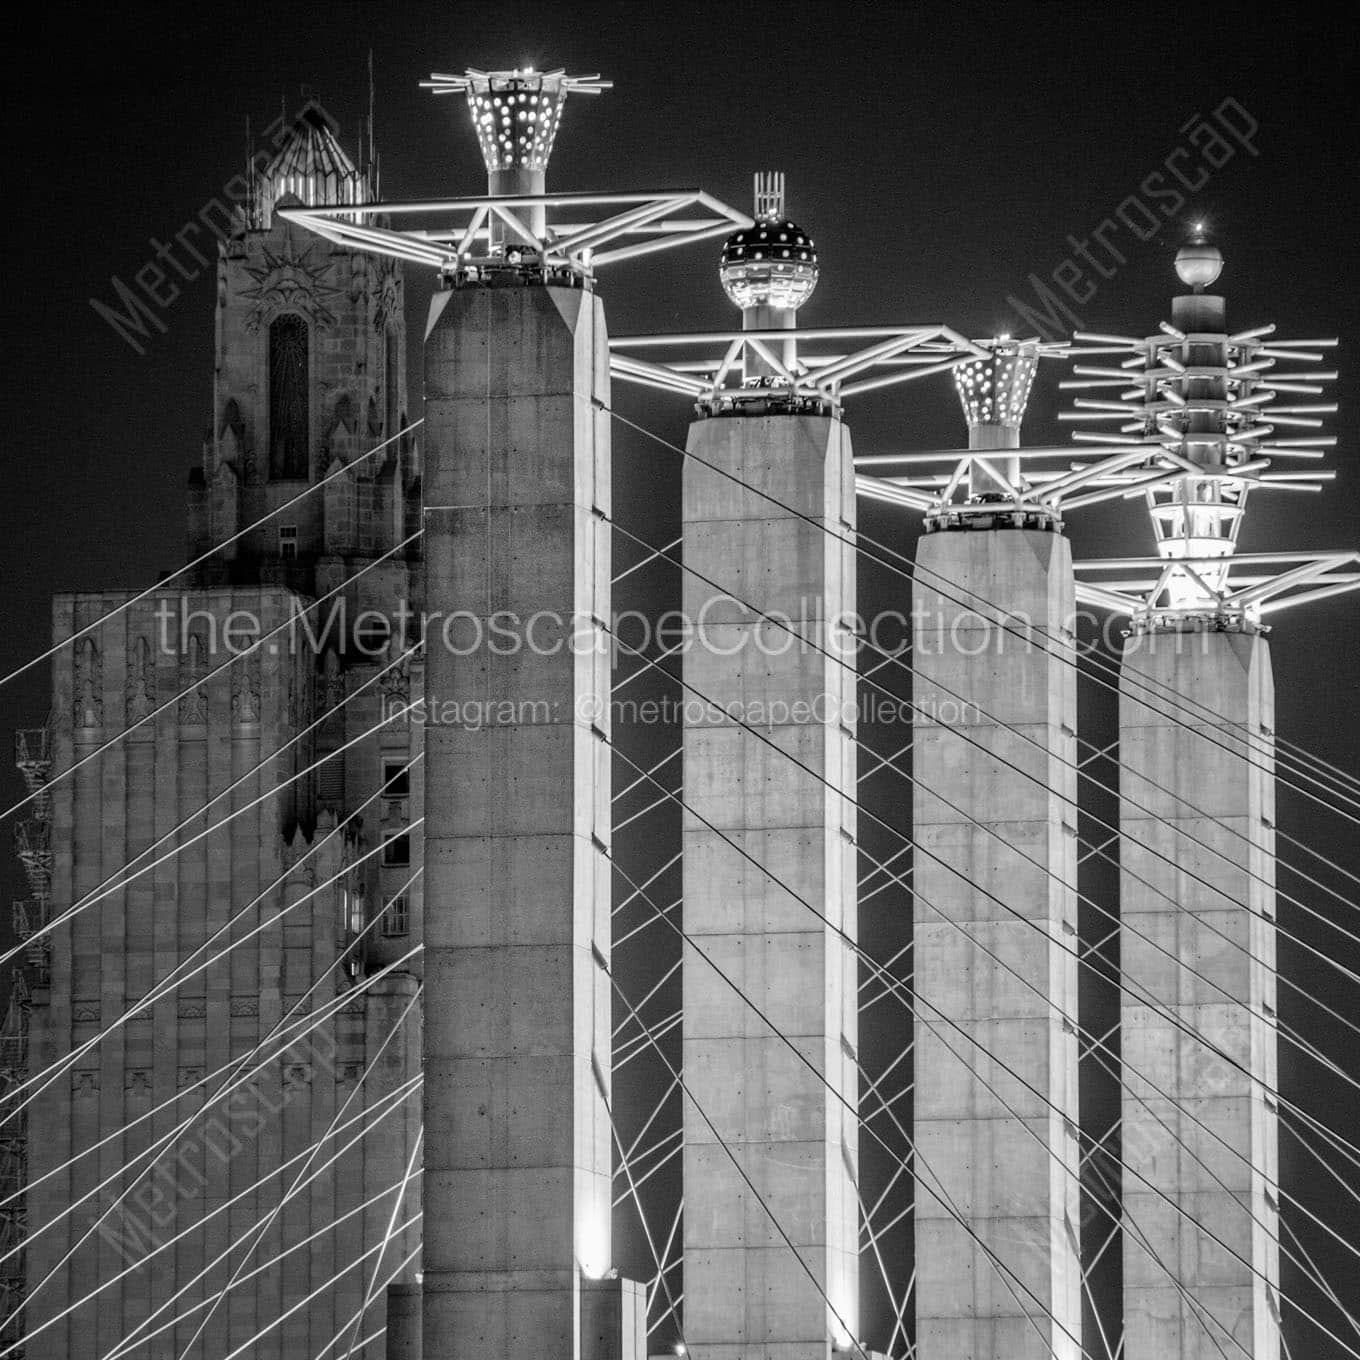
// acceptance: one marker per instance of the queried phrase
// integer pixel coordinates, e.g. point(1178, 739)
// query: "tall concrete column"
point(747, 1293)
point(517, 1003)
point(1198, 1131)
point(989, 875)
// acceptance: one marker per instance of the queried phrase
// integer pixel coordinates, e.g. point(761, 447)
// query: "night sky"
point(939, 155)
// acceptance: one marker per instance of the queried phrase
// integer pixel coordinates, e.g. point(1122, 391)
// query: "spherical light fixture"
point(771, 264)
point(1198, 264)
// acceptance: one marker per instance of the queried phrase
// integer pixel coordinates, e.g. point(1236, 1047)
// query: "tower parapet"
point(310, 378)
point(311, 167)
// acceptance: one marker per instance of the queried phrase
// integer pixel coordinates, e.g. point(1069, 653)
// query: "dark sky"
point(938, 153)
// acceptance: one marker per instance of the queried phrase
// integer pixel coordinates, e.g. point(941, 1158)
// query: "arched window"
point(288, 397)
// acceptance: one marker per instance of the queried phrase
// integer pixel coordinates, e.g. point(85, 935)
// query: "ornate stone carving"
point(386, 293)
point(245, 1006)
point(87, 703)
point(137, 1080)
point(233, 421)
point(245, 691)
point(395, 685)
point(141, 681)
point(293, 280)
point(188, 1076)
point(234, 445)
point(85, 1083)
point(193, 704)
point(192, 1010)
point(297, 1075)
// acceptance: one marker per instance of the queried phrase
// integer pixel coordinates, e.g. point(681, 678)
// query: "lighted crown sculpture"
point(769, 269)
point(517, 226)
point(994, 482)
point(773, 263)
point(1198, 403)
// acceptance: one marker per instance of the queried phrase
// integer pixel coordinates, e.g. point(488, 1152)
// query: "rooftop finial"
point(1199, 262)
point(769, 195)
point(515, 113)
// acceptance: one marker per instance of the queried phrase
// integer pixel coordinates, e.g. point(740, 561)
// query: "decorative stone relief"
point(386, 294)
point(88, 699)
point(395, 685)
point(245, 691)
point(297, 1075)
point(141, 681)
point(293, 280)
point(193, 704)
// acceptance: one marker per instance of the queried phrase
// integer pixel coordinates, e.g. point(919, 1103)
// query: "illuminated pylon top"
point(769, 269)
point(1196, 402)
point(994, 483)
point(515, 113)
point(995, 390)
point(517, 231)
point(830, 363)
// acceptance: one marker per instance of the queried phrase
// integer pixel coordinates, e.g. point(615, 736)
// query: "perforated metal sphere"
point(1198, 264)
point(772, 264)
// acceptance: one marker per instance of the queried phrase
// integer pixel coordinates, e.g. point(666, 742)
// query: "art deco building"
point(169, 1128)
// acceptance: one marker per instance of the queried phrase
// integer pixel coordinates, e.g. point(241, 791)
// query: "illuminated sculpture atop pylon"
point(995, 391)
point(770, 269)
point(1201, 401)
point(516, 115)
point(1197, 740)
point(517, 225)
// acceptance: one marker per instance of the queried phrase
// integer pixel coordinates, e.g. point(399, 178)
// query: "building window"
point(352, 911)
point(288, 541)
point(396, 779)
point(289, 398)
point(397, 851)
point(396, 919)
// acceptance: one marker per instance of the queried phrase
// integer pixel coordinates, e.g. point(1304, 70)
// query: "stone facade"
point(310, 375)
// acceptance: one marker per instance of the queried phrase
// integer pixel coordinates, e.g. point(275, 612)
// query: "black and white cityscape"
point(682, 684)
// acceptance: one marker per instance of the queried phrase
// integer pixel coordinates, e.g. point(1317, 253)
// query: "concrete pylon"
point(993, 612)
point(747, 1294)
point(517, 1001)
point(1200, 1125)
